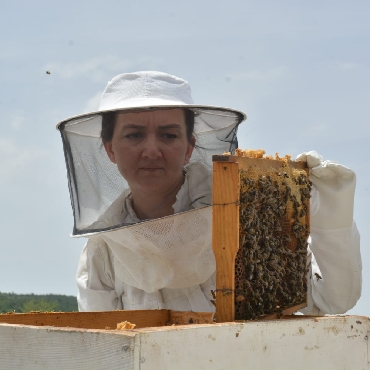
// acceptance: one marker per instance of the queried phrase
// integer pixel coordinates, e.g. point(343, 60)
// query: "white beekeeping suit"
point(169, 262)
point(334, 270)
point(334, 284)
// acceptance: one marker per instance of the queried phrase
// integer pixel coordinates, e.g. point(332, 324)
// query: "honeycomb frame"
point(260, 231)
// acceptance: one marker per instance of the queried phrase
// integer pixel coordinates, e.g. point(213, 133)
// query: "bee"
point(302, 212)
point(302, 179)
point(305, 193)
point(318, 276)
point(240, 298)
point(48, 72)
point(213, 301)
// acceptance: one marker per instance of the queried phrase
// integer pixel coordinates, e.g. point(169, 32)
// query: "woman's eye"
point(134, 135)
point(169, 136)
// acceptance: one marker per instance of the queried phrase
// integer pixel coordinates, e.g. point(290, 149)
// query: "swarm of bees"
point(271, 263)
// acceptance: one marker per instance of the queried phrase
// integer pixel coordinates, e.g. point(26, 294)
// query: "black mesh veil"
point(95, 182)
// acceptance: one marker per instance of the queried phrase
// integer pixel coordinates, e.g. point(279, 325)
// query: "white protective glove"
point(332, 192)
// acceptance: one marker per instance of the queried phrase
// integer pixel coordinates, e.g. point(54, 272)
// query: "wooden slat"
point(246, 163)
point(225, 235)
point(185, 318)
point(90, 320)
point(109, 319)
point(261, 163)
point(287, 312)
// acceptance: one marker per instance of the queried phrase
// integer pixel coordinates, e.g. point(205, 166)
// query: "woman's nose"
point(152, 149)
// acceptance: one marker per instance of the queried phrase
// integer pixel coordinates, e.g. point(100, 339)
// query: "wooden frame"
point(225, 229)
point(225, 235)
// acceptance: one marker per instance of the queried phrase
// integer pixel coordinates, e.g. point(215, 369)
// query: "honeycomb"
point(271, 263)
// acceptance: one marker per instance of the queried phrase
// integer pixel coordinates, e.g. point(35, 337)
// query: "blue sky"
point(300, 71)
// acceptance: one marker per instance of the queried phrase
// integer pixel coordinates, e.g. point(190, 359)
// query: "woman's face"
point(150, 149)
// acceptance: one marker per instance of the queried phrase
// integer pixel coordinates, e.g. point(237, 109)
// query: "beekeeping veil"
point(174, 251)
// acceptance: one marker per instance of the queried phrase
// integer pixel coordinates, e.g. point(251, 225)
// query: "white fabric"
point(137, 274)
point(335, 186)
point(334, 277)
point(334, 274)
point(172, 252)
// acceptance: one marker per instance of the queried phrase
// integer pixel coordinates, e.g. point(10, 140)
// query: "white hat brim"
point(219, 111)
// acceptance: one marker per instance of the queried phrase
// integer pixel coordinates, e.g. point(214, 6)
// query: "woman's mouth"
point(151, 169)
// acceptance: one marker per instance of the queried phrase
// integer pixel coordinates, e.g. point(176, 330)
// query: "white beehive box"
point(333, 342)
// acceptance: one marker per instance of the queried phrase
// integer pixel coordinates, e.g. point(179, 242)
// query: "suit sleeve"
point(95, 279)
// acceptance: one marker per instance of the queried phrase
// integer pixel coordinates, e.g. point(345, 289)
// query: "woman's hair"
point(109, 121)
point(107, 126)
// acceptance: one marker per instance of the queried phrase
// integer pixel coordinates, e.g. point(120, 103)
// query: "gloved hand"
point(332, 194)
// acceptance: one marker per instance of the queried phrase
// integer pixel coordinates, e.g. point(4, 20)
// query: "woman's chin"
point(155, 185)
point(152, 185)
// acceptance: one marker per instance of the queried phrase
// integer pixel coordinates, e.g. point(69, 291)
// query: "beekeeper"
point(139, 173)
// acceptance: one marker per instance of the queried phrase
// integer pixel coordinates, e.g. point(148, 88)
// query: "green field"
point(11, 302)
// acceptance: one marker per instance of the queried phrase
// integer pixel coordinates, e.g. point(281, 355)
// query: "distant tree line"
point(22, 303)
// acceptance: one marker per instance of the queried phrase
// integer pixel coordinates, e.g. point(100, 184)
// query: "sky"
point(300, 71)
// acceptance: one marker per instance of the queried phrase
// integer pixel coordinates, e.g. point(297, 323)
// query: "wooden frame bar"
point(225, 235)
point(108, 319)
